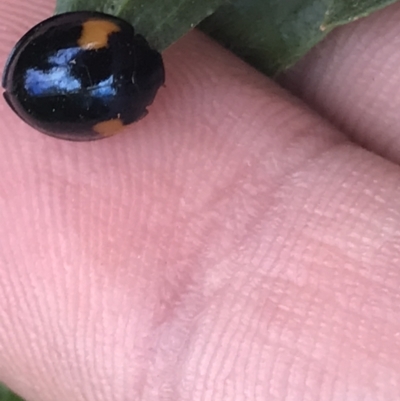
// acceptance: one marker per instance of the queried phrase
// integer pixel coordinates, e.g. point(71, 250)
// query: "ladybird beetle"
point(82, 76)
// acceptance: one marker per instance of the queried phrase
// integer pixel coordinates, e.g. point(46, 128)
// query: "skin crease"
point(232, 246)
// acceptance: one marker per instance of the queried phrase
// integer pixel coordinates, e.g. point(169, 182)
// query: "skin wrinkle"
point(221, 224)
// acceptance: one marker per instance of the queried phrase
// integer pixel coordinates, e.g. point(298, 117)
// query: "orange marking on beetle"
point(95, 34)
point(108, 128)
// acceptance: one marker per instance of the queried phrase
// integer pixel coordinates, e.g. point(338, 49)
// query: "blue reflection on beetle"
point(57, 78)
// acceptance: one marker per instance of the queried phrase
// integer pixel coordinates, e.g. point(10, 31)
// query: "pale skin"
point(238, 244)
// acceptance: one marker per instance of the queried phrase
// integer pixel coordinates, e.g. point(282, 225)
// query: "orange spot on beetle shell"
point(108, 128)
point(95, 34)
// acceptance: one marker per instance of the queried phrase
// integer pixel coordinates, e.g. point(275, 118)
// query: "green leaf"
point(273, 34)
point(162, 22)
point(270, 34)
point(342, 12)
point(7, 395)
